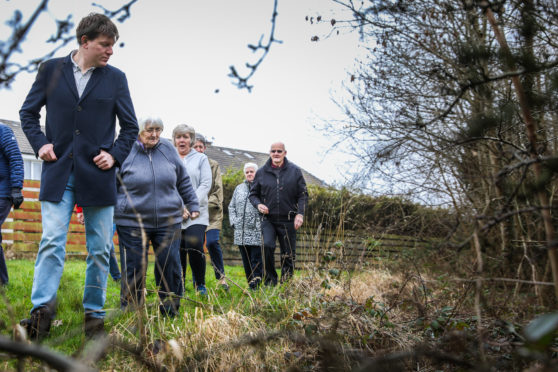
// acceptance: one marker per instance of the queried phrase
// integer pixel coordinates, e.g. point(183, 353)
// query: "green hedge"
point(333, 209)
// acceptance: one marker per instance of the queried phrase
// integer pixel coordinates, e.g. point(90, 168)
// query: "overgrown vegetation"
point(390, 317)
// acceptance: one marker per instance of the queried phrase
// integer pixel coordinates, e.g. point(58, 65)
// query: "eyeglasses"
point(276, 151)
point(151, 130)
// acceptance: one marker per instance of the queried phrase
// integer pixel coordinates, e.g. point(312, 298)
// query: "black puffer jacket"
point(283, 191)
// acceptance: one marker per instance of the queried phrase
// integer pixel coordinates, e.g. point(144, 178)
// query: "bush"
point(333, 209)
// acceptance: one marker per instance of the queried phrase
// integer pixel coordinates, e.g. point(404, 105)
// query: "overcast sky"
point(177, 53)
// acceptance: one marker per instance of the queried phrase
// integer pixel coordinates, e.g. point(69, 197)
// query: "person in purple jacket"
point(155, 194)
point(11, 183)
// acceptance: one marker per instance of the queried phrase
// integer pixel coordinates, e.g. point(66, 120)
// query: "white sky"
point(178, 52)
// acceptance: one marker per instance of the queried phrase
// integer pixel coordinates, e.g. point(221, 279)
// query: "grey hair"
point(150, 120)
point(250, 165)
point(183, 129)
point(201, 138)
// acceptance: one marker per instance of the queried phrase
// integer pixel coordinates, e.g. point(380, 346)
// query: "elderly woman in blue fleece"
point(193, 230)
point(154, 196)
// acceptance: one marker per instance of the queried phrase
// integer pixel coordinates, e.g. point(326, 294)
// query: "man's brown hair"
point(96, 24)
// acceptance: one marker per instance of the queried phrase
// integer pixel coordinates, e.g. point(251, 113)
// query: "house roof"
point(230, 158)
point(227, 157)
point(22, 142)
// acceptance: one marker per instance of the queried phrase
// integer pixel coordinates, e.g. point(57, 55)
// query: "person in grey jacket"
point(193, 230)
point(245, 220)
point(154, 196)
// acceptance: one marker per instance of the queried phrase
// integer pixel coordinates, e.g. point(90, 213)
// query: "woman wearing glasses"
point(154, 196)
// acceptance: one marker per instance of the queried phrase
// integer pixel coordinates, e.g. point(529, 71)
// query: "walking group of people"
point(150, 189)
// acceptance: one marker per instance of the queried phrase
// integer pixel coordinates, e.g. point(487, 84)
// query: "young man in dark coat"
point(279, 194)
point(83, 96)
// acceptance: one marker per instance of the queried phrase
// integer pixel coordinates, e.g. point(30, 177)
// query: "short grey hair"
point(152, 121)
point(201, 138)
point(250, 165)
point(183, 129)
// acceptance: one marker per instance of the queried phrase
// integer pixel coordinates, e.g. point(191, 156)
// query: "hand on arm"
point(185, 214)
point(46, 152)
point(104, 160)
point(262, 208)
point(299, 219)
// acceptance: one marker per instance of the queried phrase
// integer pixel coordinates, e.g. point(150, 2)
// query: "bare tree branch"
point(242, 81)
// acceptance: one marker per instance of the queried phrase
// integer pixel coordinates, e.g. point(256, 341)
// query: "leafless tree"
point(456, 101)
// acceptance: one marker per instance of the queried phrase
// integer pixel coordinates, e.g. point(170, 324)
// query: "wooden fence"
point(348, 248)
point(22, 232)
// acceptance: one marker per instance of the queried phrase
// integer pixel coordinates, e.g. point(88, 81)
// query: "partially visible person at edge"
point(215, 206)
point(11, 183)
point(83, 96)
point(114, 270)
point(279, 193)
point(245, 220)
point(193, 230)
point(155, 186)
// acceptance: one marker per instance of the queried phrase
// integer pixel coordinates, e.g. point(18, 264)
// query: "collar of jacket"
point(140, 145)
point(68, 59)
point(269, 168)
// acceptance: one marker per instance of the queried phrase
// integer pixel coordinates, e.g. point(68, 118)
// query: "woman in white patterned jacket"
point(245, 220)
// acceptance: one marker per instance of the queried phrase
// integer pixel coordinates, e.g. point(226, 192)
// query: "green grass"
point(17, 301)
point(234, 330)
point(66, 336)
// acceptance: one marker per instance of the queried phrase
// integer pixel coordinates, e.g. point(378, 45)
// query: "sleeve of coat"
point(11, 151)
point(302, 193)
point(255, 191)
point(216, 194)
point(184, 185)
point(127, 120)
point(30, 112)
point(205, 179)
point(232, 207)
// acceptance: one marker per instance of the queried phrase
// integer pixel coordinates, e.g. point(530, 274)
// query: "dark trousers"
point(191, 248)
point(5, 206)
point(285, 231)
point(114, 270)
point(133, 258)
point(252, 262)
point(214, 249)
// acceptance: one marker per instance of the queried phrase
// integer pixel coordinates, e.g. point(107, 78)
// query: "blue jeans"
point(5, 206)
point(191, 247)
point(52, 251)
point(113, 262)
point(133, 258)
point(285, 231)
point(212, 244)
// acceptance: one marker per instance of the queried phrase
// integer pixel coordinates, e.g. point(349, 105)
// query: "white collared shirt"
point(81, 78)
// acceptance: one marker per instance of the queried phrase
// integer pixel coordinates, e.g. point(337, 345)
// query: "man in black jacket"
point(279, 193)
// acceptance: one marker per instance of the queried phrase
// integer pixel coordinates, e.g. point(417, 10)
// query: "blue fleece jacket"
point(154, 184)
point(11, 162)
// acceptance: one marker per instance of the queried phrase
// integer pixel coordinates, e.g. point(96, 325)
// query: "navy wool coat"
point(79, 128)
